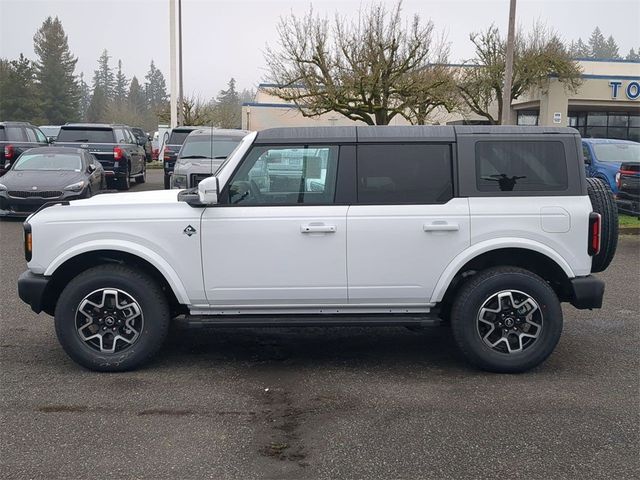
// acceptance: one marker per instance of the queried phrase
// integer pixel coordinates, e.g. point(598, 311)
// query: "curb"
point(629, 230)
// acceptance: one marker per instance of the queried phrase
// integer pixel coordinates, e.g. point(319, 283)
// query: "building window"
point(528, 117)
point(625, 126)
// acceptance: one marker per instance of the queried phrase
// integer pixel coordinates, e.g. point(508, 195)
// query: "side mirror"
point(50, 140)
point(208, 191)
point(7, 165)
point(142, 141)
point(91, 168)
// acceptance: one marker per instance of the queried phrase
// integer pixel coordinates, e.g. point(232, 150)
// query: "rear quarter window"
point(521, 166)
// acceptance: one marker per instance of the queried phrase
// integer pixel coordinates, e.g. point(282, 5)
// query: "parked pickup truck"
point(628, 183)
point(485, 230)
point(120, 153)
point(15, 138)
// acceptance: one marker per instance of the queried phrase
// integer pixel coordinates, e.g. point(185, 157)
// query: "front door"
point(406, 226)
point(276, 238)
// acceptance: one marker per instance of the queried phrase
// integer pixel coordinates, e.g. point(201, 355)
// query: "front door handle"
point(317, 228)
point(441, 227)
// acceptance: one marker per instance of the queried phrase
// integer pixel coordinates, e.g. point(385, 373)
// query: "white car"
point(487, 229)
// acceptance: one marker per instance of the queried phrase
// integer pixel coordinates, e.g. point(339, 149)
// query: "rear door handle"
point(441, 227)
point(317, 228)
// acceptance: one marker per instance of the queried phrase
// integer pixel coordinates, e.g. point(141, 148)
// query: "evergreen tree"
point(633, 55)
point(155, 88)
point(54, 73)
point(610, 48)
point(85, 97)
point(103, 76)
point(579, 49)
point(19, 99)
point(121, 85)
point(99, 106)
point(136, 98)
point(228, 111)
point(597, 44)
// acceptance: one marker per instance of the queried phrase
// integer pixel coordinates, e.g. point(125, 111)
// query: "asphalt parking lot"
point(322, 403)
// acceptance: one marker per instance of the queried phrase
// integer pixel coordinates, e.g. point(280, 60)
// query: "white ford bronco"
point(483, 229)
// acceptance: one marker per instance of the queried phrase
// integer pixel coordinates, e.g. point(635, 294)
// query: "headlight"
point(179, 181)
point(3, 188)
point(75, 187)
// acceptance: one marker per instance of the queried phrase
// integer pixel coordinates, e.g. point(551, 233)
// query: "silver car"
point(202, 153)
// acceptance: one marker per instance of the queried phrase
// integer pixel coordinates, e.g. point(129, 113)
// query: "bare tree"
point(537, 56)
point(370, 70)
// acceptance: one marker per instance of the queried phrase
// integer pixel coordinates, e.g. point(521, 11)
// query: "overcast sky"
point(223, 39)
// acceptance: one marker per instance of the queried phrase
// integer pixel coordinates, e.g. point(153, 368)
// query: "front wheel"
point(112, 318)
point(506, 319)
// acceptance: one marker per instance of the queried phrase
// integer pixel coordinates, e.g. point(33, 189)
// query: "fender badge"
point(189, 231)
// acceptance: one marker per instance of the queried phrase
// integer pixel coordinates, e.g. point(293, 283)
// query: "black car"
point(15, 138)
point(171, 149)
point(115, 146)
point(48, 174)
point(628, 182)
point(145, 140)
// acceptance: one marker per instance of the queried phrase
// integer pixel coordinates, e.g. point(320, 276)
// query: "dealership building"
point(606, 105)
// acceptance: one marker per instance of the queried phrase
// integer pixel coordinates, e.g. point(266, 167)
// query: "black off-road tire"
point(142, 178)
point(142, 288)
point(467, 306)
point(603, 203)
point(124, 182)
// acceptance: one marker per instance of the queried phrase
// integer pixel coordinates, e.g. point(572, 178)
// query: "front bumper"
point(32, 290)
point(586, 292)
point(23, 207)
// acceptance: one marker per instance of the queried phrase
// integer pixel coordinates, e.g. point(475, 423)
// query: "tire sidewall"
point(155, 315)
point(466, 329)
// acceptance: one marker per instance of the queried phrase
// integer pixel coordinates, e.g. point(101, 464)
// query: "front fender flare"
point(138, 250)
point(486, 246)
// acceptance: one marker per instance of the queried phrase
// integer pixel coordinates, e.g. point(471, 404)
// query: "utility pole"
point(508, 69)
point(173, 77)
point(180, 91)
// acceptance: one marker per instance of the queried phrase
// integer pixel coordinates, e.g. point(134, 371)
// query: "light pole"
point(180, 87)
point(508, 68)
point(173, 77)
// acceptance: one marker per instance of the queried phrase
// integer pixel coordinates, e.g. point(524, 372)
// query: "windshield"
point(50, 131)
point(617, 152)
point(203, 146)
point(178, 137)
point(86, 135)
point(49, 161)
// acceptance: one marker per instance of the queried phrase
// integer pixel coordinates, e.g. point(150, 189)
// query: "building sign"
point(557, 117)
point(631, 89)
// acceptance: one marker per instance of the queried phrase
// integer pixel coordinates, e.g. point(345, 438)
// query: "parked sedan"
point(42, 175)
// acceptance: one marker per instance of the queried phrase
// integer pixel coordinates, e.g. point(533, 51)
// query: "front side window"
point(520, 166)
point(287, 175)
point(404, 174)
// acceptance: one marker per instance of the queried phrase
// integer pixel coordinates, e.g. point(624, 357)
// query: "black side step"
point(364, 320)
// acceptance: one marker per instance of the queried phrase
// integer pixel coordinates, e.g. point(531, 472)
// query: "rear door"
point(406, 226)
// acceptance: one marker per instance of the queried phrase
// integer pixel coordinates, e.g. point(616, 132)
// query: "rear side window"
point(178, 137)
point(409, 174)
point(520, 166)
point(85, 135)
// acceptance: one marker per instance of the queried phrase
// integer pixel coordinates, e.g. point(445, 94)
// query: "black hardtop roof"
point(396, 133)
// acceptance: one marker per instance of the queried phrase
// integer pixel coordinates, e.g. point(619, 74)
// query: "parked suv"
point(115, 147)
point(171, 149)
point(485, 229)
point(15, 138)
point(603, 157)
point(202, 153)
point(628, 183)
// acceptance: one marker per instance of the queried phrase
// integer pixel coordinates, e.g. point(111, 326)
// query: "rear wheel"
point(603, 203)
point(111, 318)
point(506, 319)
point(167, 181)
point(124, 182)
point(142, 178)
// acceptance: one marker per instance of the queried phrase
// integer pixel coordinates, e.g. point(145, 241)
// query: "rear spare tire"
point(602, 202)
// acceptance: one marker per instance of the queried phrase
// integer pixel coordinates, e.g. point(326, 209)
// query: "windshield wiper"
point(217, 157)
point(194, 156)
